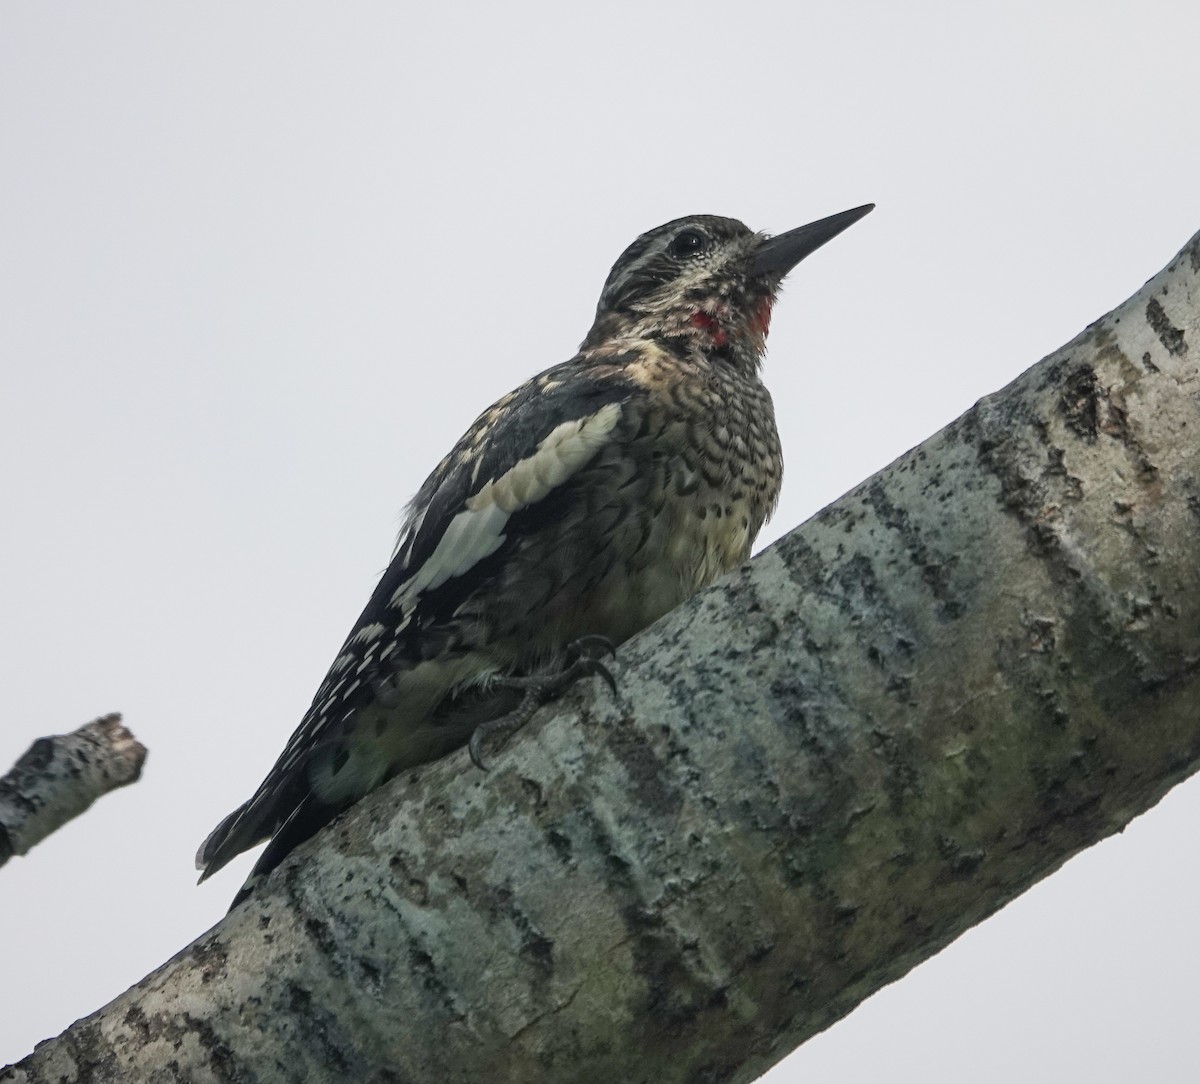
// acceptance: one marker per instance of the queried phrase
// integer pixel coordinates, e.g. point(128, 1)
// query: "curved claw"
point(538, 688)
point(595, 668)
point(584, 645)
point(475, 749)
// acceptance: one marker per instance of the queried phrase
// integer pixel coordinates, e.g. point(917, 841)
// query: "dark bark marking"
point(618, 866)
point(1023, 494)
point(959, 863)
point(406, 882)
point(319, 1029)
point(1168, 334)
point(676, 986)
point(879, 627)
point(423, 965)
point(370, 975)
point(631, 745)
point(95, 1054)
point(322, 937)
point(1057, 468)
point(135, 1019)
point(902, 780)
point(560, 844)
point(1079, 402)
point(533, 791)
point(386, 1076)
point(714, 1073)
point(935, 568)
point(533, 944)
point(221, 1057)
point(210, 957)
point(1019, 493)
point(1063, 809)
point(809, 730)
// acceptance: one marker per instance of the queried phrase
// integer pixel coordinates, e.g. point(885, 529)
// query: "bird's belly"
point(697, 542)
point(688, 545)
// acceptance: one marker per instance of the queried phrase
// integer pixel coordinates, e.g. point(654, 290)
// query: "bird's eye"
point(687, 243)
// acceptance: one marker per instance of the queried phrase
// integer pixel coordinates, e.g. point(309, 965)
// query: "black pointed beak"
point(778, 255)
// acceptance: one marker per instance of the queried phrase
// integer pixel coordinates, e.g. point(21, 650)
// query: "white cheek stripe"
point(478, 531)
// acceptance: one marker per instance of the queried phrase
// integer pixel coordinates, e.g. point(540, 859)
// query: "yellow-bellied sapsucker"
point(578, 508)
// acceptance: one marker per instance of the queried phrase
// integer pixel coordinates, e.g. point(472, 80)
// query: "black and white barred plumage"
point(587, 502)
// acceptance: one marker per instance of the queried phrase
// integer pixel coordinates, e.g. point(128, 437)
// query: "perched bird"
point(577, 510)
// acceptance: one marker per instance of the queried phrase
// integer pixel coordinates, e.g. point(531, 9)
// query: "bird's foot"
point(584, 657)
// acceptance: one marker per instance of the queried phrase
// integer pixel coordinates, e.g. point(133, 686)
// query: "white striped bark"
point(816, 774)
point(59, 777)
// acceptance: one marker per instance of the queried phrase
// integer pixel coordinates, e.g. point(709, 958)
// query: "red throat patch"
point(708, 323)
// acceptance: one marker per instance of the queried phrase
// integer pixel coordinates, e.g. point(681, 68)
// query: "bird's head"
point(707, 281)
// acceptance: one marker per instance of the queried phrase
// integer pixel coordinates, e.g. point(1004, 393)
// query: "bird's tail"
point(236, 833)
point(309, 817)
point(250, 824)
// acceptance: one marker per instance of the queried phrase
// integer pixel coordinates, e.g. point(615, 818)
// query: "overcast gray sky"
point(261, 263)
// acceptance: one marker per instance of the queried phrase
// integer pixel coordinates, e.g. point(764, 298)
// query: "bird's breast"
point(678, 501)
point(673, 499)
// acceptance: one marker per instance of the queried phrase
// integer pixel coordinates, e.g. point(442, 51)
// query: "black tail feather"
point(308, 818)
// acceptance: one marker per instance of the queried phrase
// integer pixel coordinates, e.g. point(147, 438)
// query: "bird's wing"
point(527, 445)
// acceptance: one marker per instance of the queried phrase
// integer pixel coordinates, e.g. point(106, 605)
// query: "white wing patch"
point(478, 530)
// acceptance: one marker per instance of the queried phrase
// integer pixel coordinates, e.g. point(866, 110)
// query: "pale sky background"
point(261, 263)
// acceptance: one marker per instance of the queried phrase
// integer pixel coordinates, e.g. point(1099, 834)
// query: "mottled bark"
point(816, 774)
point(60, 777)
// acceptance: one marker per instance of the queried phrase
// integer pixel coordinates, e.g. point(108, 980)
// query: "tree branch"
point(60, 777)
point(817, 774)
